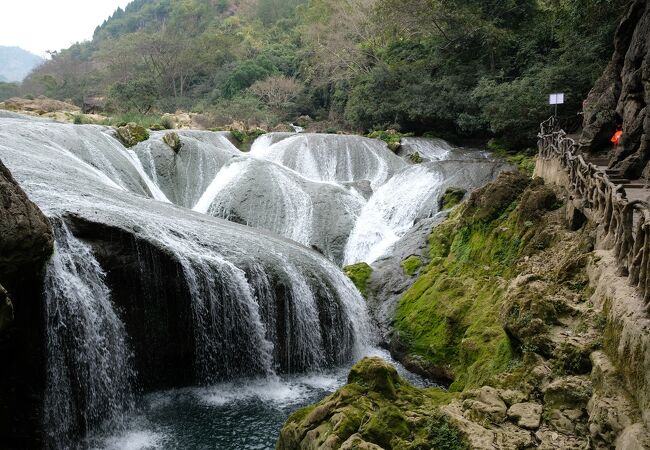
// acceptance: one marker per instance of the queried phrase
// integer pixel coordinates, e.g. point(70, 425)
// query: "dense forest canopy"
point(463, 68)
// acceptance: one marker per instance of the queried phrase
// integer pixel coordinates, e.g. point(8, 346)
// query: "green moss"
point(384, 425)
point(359, 274)
point(452, 197)
point(392, 138)
point(523, 160)
point(246, 138)
point(451, 314)
point(132, 133)
point(415, 158)
point(411, 265)
point(381, 408)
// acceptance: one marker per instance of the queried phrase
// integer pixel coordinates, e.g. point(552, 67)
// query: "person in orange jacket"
point(616, 139)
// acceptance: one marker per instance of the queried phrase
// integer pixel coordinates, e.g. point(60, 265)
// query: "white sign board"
point(556, 99)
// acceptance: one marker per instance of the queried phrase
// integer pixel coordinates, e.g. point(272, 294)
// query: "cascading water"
point(411, 195)
point(229, 301)
point(89, 375)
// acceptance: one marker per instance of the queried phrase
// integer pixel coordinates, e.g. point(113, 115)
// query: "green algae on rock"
point(377, 409)
point(359, 273)
point(132, 133)
point(452, 197)
point(173, 141)
point(411, 265)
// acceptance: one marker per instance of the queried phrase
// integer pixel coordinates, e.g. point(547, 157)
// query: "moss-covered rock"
point(415, 157)
point(376, 409)
point(173, 141)
point(489, 202)
point(489, 293)
point(411, 265)
point(452, 197)
point(132, 133)
point(359, 274)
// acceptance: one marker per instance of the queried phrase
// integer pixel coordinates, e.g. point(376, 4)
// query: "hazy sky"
point(40, 25)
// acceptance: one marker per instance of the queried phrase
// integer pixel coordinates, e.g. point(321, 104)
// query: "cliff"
point(621, 95)
point(25, 245)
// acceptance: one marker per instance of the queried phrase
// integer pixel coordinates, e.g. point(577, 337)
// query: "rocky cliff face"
point(25, 244)
point(622, 95)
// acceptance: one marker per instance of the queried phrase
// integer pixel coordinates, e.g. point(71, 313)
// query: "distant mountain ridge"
point(16, 63)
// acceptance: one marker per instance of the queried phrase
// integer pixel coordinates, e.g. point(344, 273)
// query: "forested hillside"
point(464, 68)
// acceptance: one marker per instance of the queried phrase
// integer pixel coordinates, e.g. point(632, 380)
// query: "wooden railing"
point(624, 226)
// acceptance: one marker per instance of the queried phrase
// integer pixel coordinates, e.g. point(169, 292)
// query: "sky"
point(41, 25)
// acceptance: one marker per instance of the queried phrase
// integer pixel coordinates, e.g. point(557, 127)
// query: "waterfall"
point(89, 375)
point(257, 294)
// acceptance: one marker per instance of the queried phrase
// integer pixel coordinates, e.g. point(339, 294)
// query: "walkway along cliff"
point(620, 275)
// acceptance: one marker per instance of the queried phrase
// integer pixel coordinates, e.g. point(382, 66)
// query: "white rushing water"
point(255, 297)
point(89, 374)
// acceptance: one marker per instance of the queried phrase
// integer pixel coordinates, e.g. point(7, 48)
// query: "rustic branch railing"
point(625, 225)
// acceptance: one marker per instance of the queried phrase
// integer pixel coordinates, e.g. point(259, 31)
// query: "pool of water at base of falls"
point(239, 415)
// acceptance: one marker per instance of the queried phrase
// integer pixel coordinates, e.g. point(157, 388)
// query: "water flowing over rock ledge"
point(143, 293)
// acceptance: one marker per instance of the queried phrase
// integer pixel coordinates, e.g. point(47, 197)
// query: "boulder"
point(526, 415)
point(488, 202)
point(486, 406)
point(132, 133)
point(570, 392)
point(25, 234)
point(173, 141)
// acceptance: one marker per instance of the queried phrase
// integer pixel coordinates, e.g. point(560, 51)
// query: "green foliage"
point(139, 95)
point(451, 67)
point(359, 274)
point(150, 121)
point(81, 119)
point(415, 157)
point(443, 435)
point(8, 90)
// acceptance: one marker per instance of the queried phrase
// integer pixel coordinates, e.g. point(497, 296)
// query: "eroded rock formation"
point(622, 95)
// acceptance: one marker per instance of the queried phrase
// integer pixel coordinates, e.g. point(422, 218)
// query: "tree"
point(276, 91)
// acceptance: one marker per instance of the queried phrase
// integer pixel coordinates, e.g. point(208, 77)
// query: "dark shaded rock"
point(622, 94)
point(575, 218)
point(6, 310)
point(25, 234)
point(25, 244)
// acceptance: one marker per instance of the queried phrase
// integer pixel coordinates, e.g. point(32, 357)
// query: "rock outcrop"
point(25, 244)
point(506, 311)
point(132, 133)
point(377, 409)
point(622, 95)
